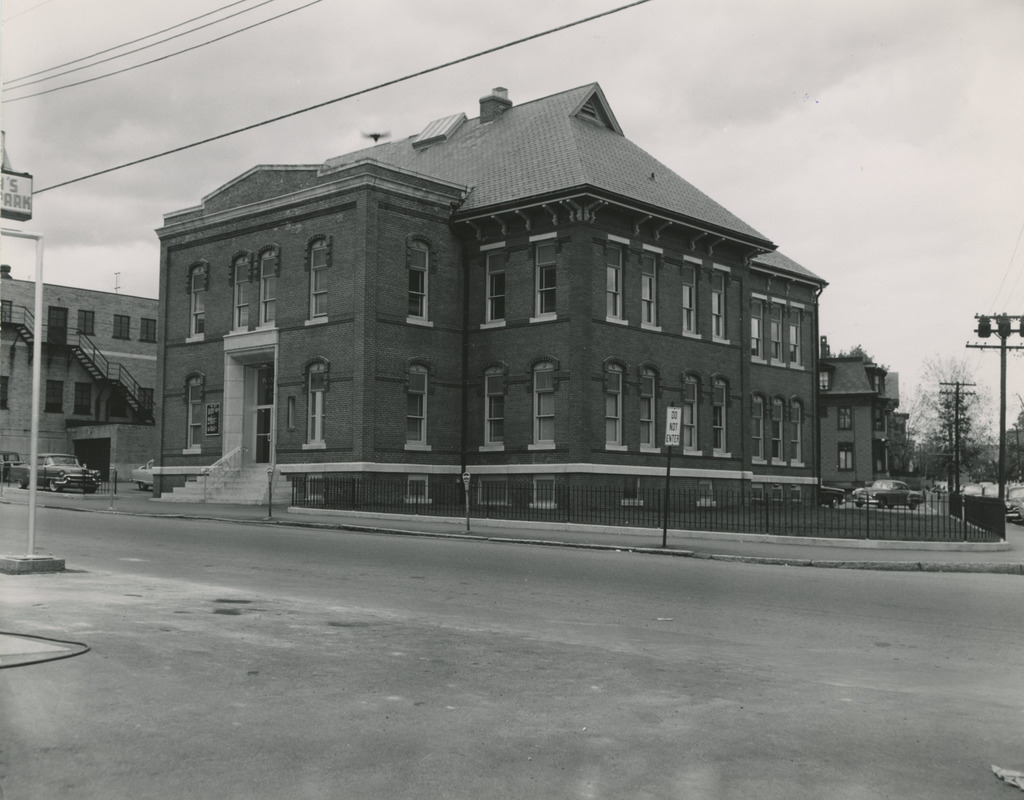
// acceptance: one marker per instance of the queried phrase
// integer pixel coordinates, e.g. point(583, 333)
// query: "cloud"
point(876, 143)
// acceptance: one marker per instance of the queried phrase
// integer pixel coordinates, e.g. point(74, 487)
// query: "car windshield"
point(63, 461)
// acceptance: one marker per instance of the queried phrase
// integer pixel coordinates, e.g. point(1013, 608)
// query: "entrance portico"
point(249, 415)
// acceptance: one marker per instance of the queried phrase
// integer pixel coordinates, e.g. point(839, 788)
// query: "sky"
point(876, 143)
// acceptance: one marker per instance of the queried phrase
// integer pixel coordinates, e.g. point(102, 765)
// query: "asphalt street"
point(235, 660)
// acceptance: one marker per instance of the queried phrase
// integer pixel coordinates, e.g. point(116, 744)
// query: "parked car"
point(887, 493)
point(1014, 499)
point(831, 496)
point(8, 460)
point(143, 475)
point(56, 472)
point(983, 489)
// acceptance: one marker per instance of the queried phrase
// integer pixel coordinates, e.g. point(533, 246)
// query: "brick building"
point(98, 374)
point(520, 295)
point(859, 424)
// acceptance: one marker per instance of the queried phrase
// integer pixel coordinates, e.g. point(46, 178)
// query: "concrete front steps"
point(247, 486)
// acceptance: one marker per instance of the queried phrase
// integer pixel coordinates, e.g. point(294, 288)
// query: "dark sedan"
point(886, 494)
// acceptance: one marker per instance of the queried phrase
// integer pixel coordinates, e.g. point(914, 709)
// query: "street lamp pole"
point(37, 358)
point(1003, 329)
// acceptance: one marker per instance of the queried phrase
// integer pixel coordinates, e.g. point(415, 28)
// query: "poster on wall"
point(213, 419)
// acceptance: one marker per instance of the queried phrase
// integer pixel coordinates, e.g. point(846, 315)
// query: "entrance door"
point(264, 412)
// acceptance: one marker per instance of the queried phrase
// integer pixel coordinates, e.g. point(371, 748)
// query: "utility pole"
point(1003, 329)
point(957, 404)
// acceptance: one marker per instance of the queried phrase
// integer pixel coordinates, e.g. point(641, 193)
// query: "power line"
point(164, 58)
point(30, 8)
point(1009, 266)
point(349, 96)
point(127, 44)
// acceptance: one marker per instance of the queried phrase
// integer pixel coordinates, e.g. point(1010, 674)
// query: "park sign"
point(17, 196)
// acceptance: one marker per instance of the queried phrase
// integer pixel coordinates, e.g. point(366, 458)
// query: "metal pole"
point(664, 506)
point(1002, 418)
point(37, 358)
point(956, 439)
point(270, 492)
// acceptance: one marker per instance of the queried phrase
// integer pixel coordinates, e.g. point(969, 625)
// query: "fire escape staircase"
point(89, 356)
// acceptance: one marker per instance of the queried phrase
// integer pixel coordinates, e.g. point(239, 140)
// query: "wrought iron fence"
point(734, 511)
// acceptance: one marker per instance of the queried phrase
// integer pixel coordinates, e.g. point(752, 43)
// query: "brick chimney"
point(826, 351)
point(495, 104)
point(5, 271)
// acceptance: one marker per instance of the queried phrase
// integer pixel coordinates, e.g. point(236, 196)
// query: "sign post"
point(673, 424)
point(465, 488)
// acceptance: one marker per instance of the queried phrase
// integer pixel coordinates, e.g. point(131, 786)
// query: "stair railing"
point(23, 319)
point(92, 353)
point(142, 403)
point(217, 474)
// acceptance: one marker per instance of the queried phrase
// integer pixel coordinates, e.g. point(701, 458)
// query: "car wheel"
point(142, 486)
point(882, 503)
point(22, 484)
point(834, 502)
point(912, 506)
point(89, 491)
point(858, 503)
point(52, 485)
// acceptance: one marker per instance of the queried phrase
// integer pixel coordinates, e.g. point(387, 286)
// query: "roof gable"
point(566, 141)
point(594, 108)
point(261, 181)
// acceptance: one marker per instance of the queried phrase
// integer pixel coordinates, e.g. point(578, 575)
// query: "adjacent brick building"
point(859, 424)
point(521, 295)
point(98, 374)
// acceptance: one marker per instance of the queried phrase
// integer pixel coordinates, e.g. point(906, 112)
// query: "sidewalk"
point(1000, 557)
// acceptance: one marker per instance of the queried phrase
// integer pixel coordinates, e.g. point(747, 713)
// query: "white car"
point(143, 475)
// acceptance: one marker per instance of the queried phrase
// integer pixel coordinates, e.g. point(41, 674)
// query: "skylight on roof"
point(439, 130)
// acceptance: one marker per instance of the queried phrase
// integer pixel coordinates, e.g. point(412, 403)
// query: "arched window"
point(776, 428)
point(757, 427)
point(419, 263)
point(690, 412)
point(648, 402)
point(195, 386)
point(416, 405)
point(544, 403)
point(613, 405)
point(719, 417)
point(316, 388)
point(269, 262)
point(494, 399)
point(198, 282)
point(796, 438)
point(241, 283)
point(319, 259)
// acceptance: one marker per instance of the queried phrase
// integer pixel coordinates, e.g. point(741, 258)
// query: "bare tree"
point(947, 392)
